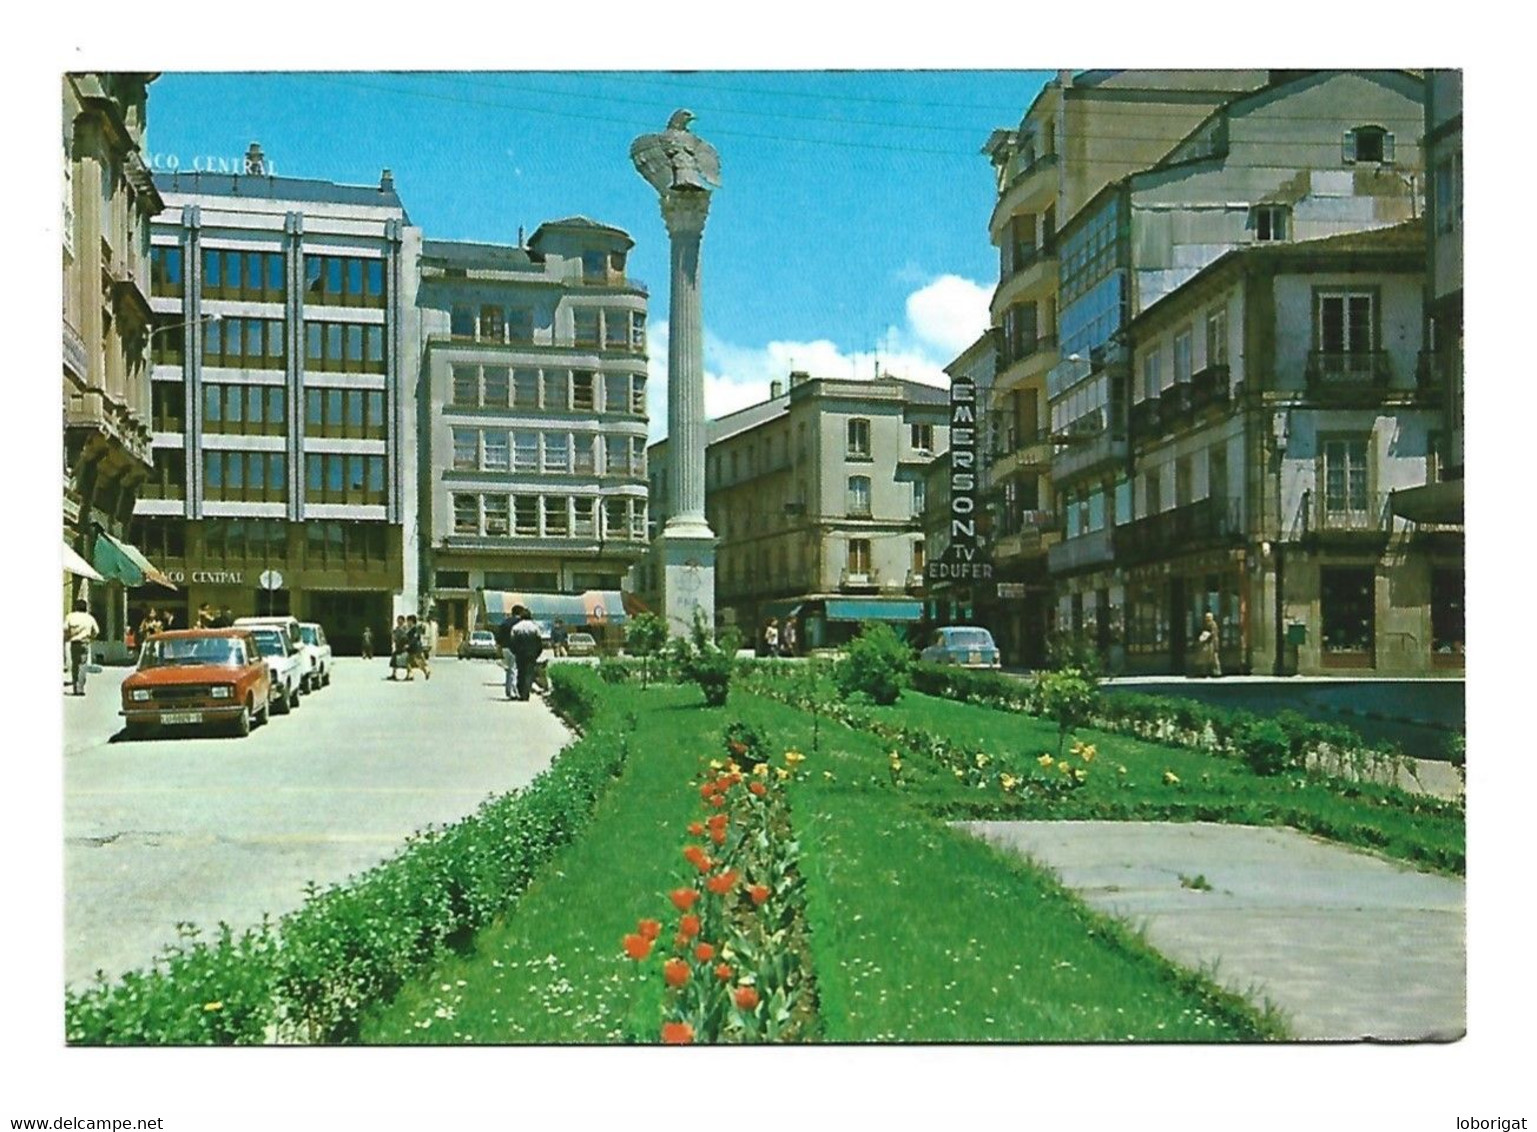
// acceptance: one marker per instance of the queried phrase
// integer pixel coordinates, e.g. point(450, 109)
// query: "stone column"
point(684, 169)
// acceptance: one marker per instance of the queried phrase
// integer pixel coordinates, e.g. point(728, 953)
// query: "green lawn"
point(917, 933)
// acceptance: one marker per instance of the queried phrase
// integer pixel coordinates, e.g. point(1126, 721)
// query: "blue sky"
point(852, 219)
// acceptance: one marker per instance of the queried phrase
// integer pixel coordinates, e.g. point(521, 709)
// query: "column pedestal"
point(687, 577)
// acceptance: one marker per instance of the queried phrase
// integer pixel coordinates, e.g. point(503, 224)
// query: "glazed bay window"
point(616, 329)
point(466, 449)
point(465, 389)
point(638, 520)
point(638, 394)
point(557, 452)
point(616, 520)
point(466, 514)
point(525, 515)
point(617, 456)
point(497, 515)
point(520, 324)
point(584, 324)
point(583, 397)
point(584, 449)
point(858, 439)
point(638, 328)
point(494, 387)
point(583, 520)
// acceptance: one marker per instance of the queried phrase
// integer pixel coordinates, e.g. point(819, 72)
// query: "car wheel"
point(265, 714)
point(242, 725)
point(137, 731)
point(294, 697)
point(284, 703)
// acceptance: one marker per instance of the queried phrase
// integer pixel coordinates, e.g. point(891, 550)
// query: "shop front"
point(1166, 605)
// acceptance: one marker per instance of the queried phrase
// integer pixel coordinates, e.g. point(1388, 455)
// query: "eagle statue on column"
point(676, 158)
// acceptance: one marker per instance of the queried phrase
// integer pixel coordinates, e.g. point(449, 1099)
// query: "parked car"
point(309, 677)
point(581, 644)
point(312, 639)
point(285, 660)
point(969, 646)
point(197, 677)
point(480, 644)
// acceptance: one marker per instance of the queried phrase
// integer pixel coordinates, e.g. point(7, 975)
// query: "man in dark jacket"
point(527, 644)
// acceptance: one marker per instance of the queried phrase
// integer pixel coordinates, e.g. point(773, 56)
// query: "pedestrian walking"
point(225, 620)
point(206, 616)
point(558, 638)
point(787, 640)
point(80, 629)
point(400, 643)
point(771, 638)
point(416, 648)
point(1209, 656)
point(368, 642)
point(503, 635)
point(527, 644)
point(150, 624)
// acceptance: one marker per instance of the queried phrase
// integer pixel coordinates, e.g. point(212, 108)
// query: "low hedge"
point(310, 976)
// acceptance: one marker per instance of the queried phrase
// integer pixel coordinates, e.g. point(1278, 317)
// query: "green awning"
point(1439, 502)
point(123, 561)
point(873, 609)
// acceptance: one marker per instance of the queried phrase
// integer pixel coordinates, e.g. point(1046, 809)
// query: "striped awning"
point(74, 564)
point(123, 562)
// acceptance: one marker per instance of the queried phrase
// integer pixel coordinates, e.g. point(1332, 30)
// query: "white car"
point(313, 641)
point(309, 674)
point(285, 663)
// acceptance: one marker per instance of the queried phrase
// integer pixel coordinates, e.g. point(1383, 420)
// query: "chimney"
point(776, 389)
point(797, 376)
point(386, 182)
point(255, 161)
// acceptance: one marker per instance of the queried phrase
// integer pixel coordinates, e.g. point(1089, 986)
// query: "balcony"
point(1033, 536)
point(1081, 552)
point(1357, 370)
point(1209, 387)
point(1147, 418)
point(1027, 186)
point(1034, 451)
point(858, 580)
point(1201, 525)
point(1370, 515)
point(76, 361)
point(1088, 444)
point(1176, 404)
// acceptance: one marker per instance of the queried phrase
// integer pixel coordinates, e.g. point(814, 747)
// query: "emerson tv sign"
point(964, 559)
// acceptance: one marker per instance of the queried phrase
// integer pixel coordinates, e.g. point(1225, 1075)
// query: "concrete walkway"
point(1349, 946)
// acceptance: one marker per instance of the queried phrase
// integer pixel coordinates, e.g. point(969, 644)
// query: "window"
point(616, 329)
point(168, 477)
point(920, 497)
point(351, 347)
point(1183, 486)
point(165, 274)
point(1348, 611)
point(617, 456)
point(919, 561)
point(492, 329)
point(1344, 322)
point(248, 409)
point(346, 281)
point(466, 386)
point(923, 437)
point(638, 394)
point(557, 519)
point(494, 451)
point(167, 405)
point(594, 265)
point(461, 322)
point(585, 452)
point(858, 439)
point(525, 451)
point(556, 389)
point(859, 558)
point(1345, 476)
point(1153, 494)
point(1269, 222)
point(252, 477)
point(615, 518)
point(525, 515)
point(584, 323)
point(638, 329)
point(1367, 144)
point(466, 449)
point(1152, 374)
point(557, 452)
point(354, 414)
point(244, 343)
point(168, 340)
point(859, 496)
point(1216, 473)
point(1216, 337)
point(1182, 356)
point(497, 514)
point(334, 477)
point(495, 384)
point(582, 396)
point(466, 514)
point(525, 389)
point(583, 521)
point(451, 579)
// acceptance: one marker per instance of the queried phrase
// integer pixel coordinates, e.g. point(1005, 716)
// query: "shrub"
point(744, 743)
point(612, 670)
point(1067, 696)
point(1266, 747)
point(646, 638)
point(876, 664)
point(1077, 651)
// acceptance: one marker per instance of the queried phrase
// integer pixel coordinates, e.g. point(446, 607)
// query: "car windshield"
point(308, 635)
point(270, 642)
point(481, 636)
point(967, 639)
point(161, 652)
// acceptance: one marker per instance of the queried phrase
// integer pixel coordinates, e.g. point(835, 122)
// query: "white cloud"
point(949, 312)
point(942, 317)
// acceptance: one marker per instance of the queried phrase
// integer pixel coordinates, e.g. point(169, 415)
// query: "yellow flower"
point(781, 772)
point(1120, 769)
point(827, 774)
point(1065, 768)
point(212, 1006)
point(896, 764)
point(716, 764)
point(1170, 778)
point(1087, 752)
point(761, 770)
point(982, 760)
point(794, 758)
point(1046, 761)
point(959, 773)
point(1008, 781)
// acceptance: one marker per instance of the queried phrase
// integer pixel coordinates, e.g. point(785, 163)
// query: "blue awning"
point(593, 607)
point(873, 609)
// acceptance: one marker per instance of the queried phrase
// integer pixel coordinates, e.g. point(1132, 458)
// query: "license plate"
point(173, 717)
point(976, 658)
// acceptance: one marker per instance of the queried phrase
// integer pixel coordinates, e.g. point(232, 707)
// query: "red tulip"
point(637, 946)
point(688, 927)
point(683, 898)
point(649, 929)
point(677, 1033)
point(675, 971)
point(746, 997)
point(760, 893)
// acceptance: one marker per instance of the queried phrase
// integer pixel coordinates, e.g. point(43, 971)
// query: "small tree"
point(1067, 695)
point(648, 633)
point(877, 664)
point(706, 663)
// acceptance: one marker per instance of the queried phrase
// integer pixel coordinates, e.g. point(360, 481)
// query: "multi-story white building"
point(285, 342)
point(816, 497)
point(532, 418)
point(1262, 481)
point(1311, 155)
